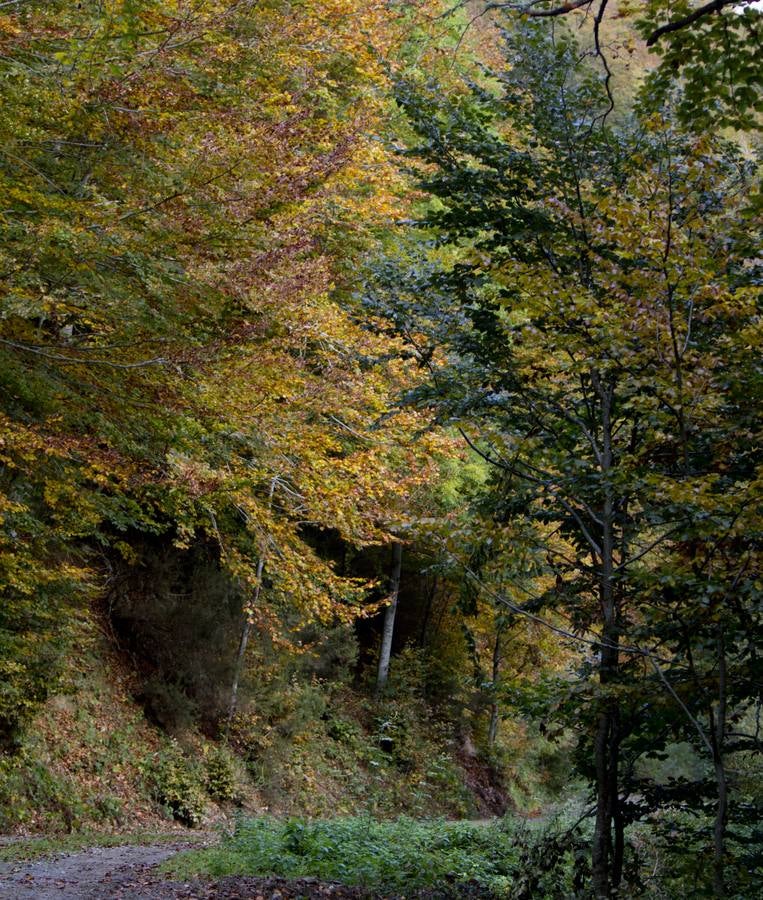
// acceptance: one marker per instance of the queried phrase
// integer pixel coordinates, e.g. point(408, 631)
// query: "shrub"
point(30, 793)
point(220, 774)
point(403, 855)
point(176, 784)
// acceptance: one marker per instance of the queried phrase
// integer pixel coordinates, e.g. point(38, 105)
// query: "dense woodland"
point(380, 435)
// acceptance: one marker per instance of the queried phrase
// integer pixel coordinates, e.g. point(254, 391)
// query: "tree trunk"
point(721, 811)
point(245, 632)
point(431, 594)
point(719, 831)
point(492, 733)
point(389, 618)
point(606, 855)
point(247, 628)
point(618, 850)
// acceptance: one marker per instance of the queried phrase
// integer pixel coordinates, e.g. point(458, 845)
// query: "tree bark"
point(431, 594)
point(245, 632)
point(608, 840)
point(493, 727)
point(721, 811)
point(389, 618)
point(247, 627)
point(606, 855)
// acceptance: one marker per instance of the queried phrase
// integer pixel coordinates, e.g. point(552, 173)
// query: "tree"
point(182, 185)
point(388, 629)
point(710, 48)
point(577, 303)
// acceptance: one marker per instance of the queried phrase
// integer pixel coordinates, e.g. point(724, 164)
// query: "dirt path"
point(99, 872)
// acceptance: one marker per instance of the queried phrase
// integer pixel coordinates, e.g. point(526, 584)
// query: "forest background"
point(311, 307)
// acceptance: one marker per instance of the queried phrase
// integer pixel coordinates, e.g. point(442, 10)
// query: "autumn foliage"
point(185, 188)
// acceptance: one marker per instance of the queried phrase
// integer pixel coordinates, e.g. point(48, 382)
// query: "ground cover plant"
point(524, 859)
point(401, 855)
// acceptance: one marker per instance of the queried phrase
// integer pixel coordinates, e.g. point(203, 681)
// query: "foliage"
point(207, 435)
point(29, 787)
point(704, 54)
point(401, 855)
point(177, 783)
point(506, 858)
point(322, 750)
point(585, 300)
point(181, 186)
point(220, 774)
point(716, 59)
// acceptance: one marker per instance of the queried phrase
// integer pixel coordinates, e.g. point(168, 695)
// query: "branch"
point(73, 360)
point(555, 11)
point(684, 707)
point(527, 9)
point(552, 486)
point(523, 610)
point(607, 71)
point(678, 24)
point(655, 543)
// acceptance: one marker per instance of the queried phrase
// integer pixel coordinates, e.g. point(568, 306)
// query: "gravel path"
point(99, 872)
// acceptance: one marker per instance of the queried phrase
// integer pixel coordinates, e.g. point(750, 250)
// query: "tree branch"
point(73, 360)
point(562, 10)
point(685, 21)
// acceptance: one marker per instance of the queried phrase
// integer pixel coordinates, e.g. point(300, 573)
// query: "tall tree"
point(582, 281)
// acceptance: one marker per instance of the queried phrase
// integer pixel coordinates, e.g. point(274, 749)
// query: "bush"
point(176, 784)
point(220, 774)
point(31, 794)
point(442, 859)
point(168, 706)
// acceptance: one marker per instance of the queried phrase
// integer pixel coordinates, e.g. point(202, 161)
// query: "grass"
point(402, 855)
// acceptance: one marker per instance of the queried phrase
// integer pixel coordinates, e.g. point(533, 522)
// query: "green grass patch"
point(401, 855)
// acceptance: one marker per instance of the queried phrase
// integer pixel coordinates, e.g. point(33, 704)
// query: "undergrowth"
point(506, 858)
point(393, 855)
point(402, 856)
point(318, 747)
